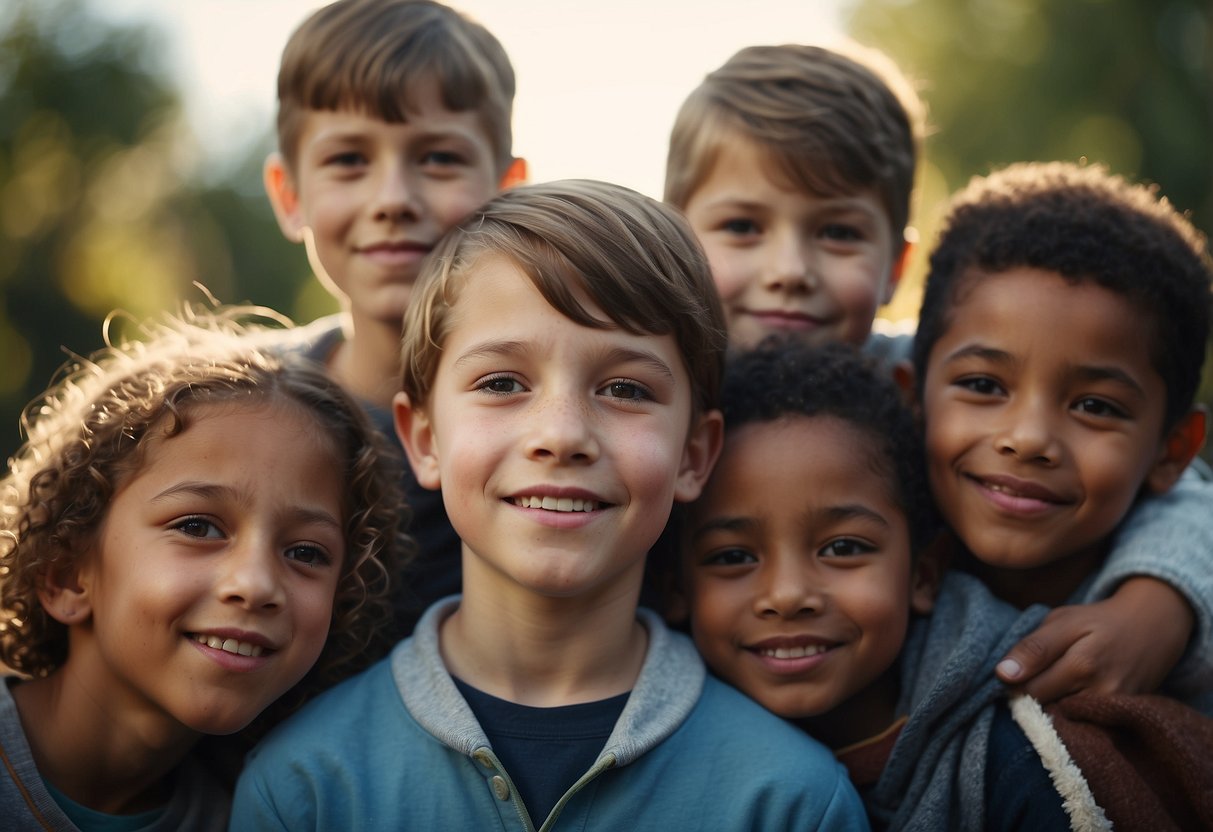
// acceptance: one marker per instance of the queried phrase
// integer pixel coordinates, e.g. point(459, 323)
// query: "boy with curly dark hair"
point(1058, 353)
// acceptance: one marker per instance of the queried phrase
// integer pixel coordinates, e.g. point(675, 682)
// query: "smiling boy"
point(1059, 349)
point(562, 361)
point(393, 125)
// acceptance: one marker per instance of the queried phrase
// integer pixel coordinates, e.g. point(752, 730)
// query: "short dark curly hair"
point(88, 433)
point(1083, 223)
point(781, 378)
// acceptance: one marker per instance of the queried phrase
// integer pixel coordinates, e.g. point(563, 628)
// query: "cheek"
point(729, 272)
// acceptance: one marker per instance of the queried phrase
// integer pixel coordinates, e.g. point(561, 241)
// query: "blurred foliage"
point(1128, 84)
point(102, 204)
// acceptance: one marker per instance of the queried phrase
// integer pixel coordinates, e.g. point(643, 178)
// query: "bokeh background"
point(132, 132)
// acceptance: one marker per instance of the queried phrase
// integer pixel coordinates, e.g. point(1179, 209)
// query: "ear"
point(284, 197)
point(699, 456)
point(417, 436)
point(898, 267)
point(64, 596)
point(516, 174)
point(927, 575)
point(906, 380)
point(1178, 449)
point(677, 612)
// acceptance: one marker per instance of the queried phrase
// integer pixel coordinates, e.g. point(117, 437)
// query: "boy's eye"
point(841, 232)
point(346, 159)
point(844, 547)
point(1099, 407)
point(629, 390)
point(729, 557)
point(982, 385)
point(740, 227)
point(308, 554)
point(500, 385)
point(441, 158)
point(198, 527)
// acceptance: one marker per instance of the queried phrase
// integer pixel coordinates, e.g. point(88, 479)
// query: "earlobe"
point(64, 597)
point(417, 436)
point(898, 267)
point(516, 174)
point(1178, 449)
point(703, 446)
point(284, 198)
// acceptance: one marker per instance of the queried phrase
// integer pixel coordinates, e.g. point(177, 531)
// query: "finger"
point(1034, 654)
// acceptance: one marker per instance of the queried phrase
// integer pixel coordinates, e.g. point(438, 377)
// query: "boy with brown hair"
point(795, 167)
point(393, 125)
point(563, 359)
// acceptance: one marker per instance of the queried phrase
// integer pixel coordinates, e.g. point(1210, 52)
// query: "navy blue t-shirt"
point(545, 750)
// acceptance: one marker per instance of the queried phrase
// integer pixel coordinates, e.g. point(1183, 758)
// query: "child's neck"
point(866, 714)
point(97, 758)
point(367, 364)
point(1052, 584)
point(544, 652)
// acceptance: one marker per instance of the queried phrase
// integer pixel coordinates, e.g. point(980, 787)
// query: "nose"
point(395, 199)
point(789, 269)
point(1027, 432)
point(789, 589)
point(250, 576)
point(562, 430)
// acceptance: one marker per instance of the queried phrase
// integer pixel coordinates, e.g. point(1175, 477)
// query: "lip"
point(1016, 496)
point(571, 513)
point(397, 253)
point(806, 653)
point(784, 319)
point(233, 639)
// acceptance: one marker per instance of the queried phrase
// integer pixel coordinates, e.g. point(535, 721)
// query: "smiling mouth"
point(228, 645)
point(565, 504)
point(792, 652)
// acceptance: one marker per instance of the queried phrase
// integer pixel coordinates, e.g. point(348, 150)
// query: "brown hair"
point(831, 122)
point(372, 55)
point(635, 258)
point(89, 431)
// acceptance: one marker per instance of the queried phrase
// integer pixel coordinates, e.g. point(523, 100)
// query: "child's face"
point(559, 449)
point(375, 197)
point(1043, 416)
point(231, 533)
point(787, 262)
point(799, 575)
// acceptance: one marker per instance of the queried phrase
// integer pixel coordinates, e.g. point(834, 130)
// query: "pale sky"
point(598, 82)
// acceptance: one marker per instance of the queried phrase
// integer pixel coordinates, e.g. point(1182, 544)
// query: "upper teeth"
point(557, 503)
point(794, 652)
point(229, 645)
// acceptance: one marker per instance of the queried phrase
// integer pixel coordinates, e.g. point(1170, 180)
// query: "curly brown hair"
point(86, 438)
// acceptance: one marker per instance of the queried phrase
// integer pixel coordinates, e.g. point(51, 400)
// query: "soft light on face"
point(372, 198)
point(786, 262)
point(798, 572)
point(1043, 417)
point(211, 585)
point(559, 449)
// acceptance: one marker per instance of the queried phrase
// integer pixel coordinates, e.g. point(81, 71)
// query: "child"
point(187, 521)
point(562, 357)
point(393, 125)
point(1059, 348)
point(809, 587)
point(795, 165)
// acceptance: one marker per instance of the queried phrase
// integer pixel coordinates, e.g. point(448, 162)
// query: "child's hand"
point(1126, 643)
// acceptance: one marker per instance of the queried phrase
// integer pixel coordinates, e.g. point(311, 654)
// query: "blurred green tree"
point(99, 208)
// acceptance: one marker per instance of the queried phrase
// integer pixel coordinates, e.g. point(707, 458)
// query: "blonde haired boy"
point(563, 358)
point(393, 125)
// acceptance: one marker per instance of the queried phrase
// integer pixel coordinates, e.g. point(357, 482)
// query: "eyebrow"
point(732, 523)
point(613, 355)
point(1084, 372)
point(211, 491)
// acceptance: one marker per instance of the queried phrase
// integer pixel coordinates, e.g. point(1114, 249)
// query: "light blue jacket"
point(397, 748)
